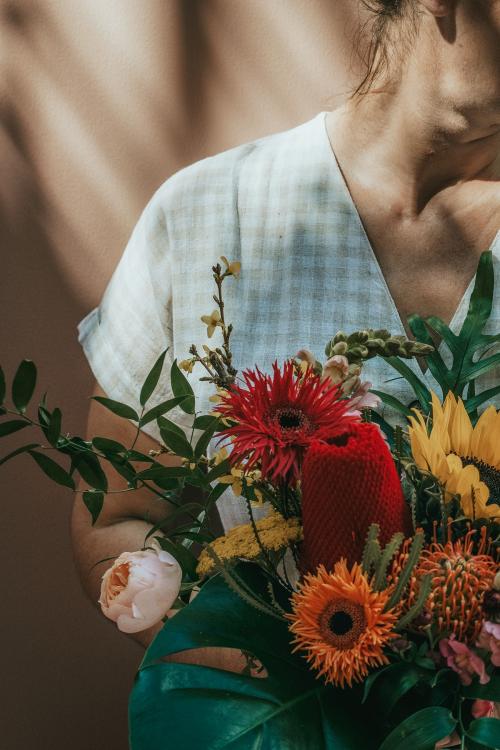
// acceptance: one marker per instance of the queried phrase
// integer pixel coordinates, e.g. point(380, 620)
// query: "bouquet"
point(363, 594)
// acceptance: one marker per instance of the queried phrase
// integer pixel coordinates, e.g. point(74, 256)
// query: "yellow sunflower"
point(465, 459)
point(341, 624)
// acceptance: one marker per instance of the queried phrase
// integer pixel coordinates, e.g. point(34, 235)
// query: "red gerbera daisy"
point(277, 416)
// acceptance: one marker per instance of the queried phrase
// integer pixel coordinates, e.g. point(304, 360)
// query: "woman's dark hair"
point(393, 26)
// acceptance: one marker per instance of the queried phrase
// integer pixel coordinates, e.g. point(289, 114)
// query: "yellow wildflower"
point(235, 479)
point(211, 321)
point(233, 268)
point(275, 533)
point(215, 399)
point(219, 457)
point(187, 365)
point(259, 497)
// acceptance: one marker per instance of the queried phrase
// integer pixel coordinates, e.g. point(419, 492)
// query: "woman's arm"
point(125, 518)
point(122, 526)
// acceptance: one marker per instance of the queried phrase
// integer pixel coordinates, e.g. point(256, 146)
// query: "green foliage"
point(468, 350)
point(13, 425)
point(188, 706)
point(152, 380)
point(18, 451)
point(488, 692)
point(486, 732)
point(53, 430)
point(406, 573)
point(23, 385)
point(388, 687)
point(88, 466)
point(421, 731)
point(160, 409)
point(184, 557)
point(181, 387)
point(176, 442)
point(94, 501)
point(167, 424)
point(52, 469)
point(121, 410)
point(107, 446)
point(419, 388)
point(204, 441)
point(204, 421)
point(86, 457)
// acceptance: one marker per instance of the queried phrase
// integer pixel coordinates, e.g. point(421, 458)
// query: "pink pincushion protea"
point(277, 416)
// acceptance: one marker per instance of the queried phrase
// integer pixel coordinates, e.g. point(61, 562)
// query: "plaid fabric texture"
point(280, 205)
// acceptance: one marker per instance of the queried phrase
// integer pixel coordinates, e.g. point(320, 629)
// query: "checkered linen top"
point(281, 206)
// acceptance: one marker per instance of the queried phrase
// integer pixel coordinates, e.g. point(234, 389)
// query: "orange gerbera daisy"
point(341, 623)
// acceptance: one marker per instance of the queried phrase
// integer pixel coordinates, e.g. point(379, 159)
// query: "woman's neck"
point(413, 144)
point(437, 123)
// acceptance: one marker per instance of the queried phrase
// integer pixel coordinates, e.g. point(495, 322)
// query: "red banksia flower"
point(276, 418)
point(349, 482)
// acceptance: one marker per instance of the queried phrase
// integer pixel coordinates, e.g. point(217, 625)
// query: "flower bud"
point(340, 348)
point(336, 369)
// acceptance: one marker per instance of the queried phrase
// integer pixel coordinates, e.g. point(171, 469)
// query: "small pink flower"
point(336, 369)
point(463, 661)
point(489, 639)
point(306, 356)
point(139, 589)
point(361, 398)
point(483, 709)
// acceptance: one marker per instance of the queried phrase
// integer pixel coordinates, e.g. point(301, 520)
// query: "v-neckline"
point(461, 309)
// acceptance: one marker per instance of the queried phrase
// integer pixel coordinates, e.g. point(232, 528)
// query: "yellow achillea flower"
point(211, 321)
point(275, 533)
point(465, 459)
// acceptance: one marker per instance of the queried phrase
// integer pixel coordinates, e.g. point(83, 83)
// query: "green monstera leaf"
point(471, 352)
point(188, 706)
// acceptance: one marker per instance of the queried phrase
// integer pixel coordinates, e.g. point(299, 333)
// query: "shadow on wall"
point(69, 675)
point(99, 104)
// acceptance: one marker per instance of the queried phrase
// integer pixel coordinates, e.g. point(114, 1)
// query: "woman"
point(357, 217)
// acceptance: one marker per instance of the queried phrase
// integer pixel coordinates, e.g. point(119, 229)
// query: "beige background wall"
point(100, 102)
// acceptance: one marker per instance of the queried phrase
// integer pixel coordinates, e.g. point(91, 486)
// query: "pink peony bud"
point(361, 398)
point(483, 709)
point(139, 589)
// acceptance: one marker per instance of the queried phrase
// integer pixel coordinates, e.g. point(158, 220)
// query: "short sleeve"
point(123, 337)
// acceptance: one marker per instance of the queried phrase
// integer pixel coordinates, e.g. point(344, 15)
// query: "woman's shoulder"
point(214, 180)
